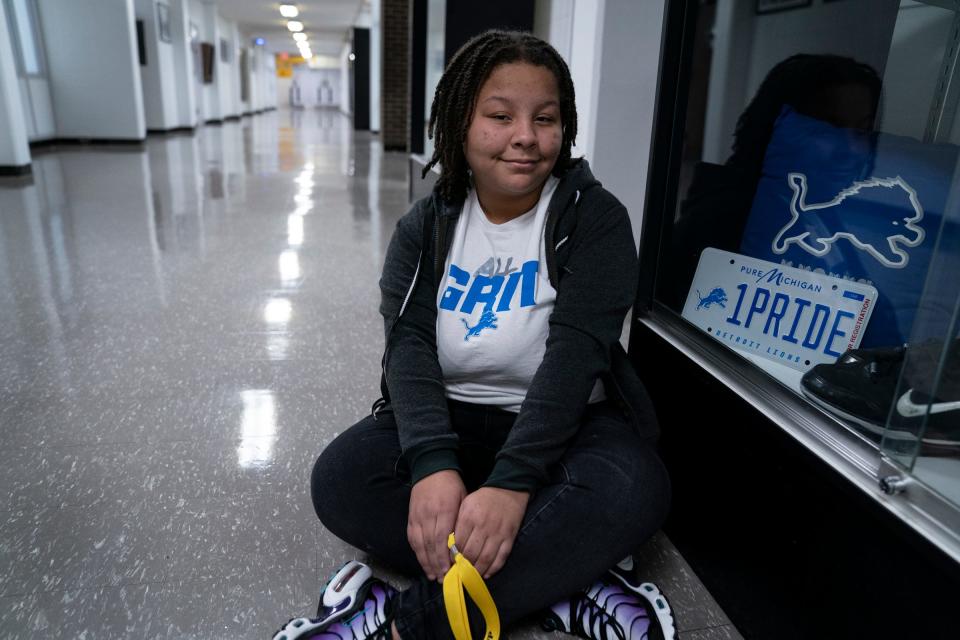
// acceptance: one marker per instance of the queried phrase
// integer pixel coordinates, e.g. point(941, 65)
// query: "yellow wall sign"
point(286, 63)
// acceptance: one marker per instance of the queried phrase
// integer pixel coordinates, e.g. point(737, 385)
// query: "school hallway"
point(184, 325)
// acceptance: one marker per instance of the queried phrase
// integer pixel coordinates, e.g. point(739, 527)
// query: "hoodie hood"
point(577, 178)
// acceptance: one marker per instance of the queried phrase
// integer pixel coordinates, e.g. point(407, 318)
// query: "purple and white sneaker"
point(354, 606)
point(616, 607)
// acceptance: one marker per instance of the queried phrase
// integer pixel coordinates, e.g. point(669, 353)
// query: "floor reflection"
point(184, 326)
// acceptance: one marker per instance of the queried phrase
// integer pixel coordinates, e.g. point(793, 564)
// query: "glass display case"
point(802, 238)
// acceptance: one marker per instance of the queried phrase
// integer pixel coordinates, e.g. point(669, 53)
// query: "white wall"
point(35, 97)
point(14, 146)
point(318, 87)
point(613, 50)
point(236, 44)
point(435, 53)
point(93, 68)
point(268, 82)
point(180, 17)
point(861, 29)
point(38, 107)
point(623, 117)
point(587, 45)
point(575, 29)
point(283, 91)
point(345, 105)
point(256, 84)
point(264, 82)
point(553, 22)
point(159, 78)
point(375, 65)
point(227, 77)
point(210, 33)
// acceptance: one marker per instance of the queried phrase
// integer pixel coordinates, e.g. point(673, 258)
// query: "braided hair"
point(456, 97)
point(798, 81)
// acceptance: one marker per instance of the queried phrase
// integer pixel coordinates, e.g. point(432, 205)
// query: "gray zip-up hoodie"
point(592, 263)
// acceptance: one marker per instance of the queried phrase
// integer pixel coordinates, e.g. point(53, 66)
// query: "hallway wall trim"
point(16, 170)
point(172, 131)
point(83, 142)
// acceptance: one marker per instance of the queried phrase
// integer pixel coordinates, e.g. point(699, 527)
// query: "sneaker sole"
point(872, 427)
point(297, 627)
point(658, 603)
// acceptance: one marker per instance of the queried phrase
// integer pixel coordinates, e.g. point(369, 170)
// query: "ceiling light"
point(294, 25)
point(299, 36)
point(289, 10)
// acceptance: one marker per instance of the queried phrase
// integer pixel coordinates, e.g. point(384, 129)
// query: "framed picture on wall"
point(772, 6)
point(163, 22)
point(226, 53)
point(207, 59)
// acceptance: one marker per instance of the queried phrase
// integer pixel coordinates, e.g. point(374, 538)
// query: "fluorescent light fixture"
point(294, 25)
point(289, 10)
point(300, 36)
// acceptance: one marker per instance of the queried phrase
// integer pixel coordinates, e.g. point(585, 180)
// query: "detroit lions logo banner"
point(861, 206)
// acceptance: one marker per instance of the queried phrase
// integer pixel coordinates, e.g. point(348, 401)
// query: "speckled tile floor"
point(182, 330)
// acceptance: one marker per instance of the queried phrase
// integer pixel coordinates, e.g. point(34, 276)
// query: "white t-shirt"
point(494, 308)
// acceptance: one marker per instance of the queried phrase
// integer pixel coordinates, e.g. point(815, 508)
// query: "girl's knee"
point(327, 479)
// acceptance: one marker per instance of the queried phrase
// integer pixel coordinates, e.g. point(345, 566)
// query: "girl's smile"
point(514, 138)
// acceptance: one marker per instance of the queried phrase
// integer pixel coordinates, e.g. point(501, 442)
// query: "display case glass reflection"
point(816, 229)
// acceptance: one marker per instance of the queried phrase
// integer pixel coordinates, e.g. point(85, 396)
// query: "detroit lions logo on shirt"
point(488, 320)
point(495, 286)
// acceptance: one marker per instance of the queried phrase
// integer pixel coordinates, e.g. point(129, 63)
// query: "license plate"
point(796, 317)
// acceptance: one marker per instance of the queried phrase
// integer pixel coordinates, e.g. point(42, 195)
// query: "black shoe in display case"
point(861, 387)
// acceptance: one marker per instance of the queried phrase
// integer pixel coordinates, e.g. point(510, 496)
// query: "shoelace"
point(589, 613)
point(464, 576)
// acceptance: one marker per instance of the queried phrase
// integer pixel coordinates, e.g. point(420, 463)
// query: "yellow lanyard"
point(463, 575)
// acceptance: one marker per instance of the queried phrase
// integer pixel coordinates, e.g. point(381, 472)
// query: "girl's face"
point(515, 134)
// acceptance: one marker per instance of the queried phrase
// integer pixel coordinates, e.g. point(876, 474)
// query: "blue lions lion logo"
point(716, 296)
point(860, 206)
point(488, 320)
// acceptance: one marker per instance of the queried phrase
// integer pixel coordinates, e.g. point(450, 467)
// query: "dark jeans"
point(607, 495)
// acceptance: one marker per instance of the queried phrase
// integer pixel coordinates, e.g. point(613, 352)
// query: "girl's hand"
point(434, 503)
point(487, 525)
